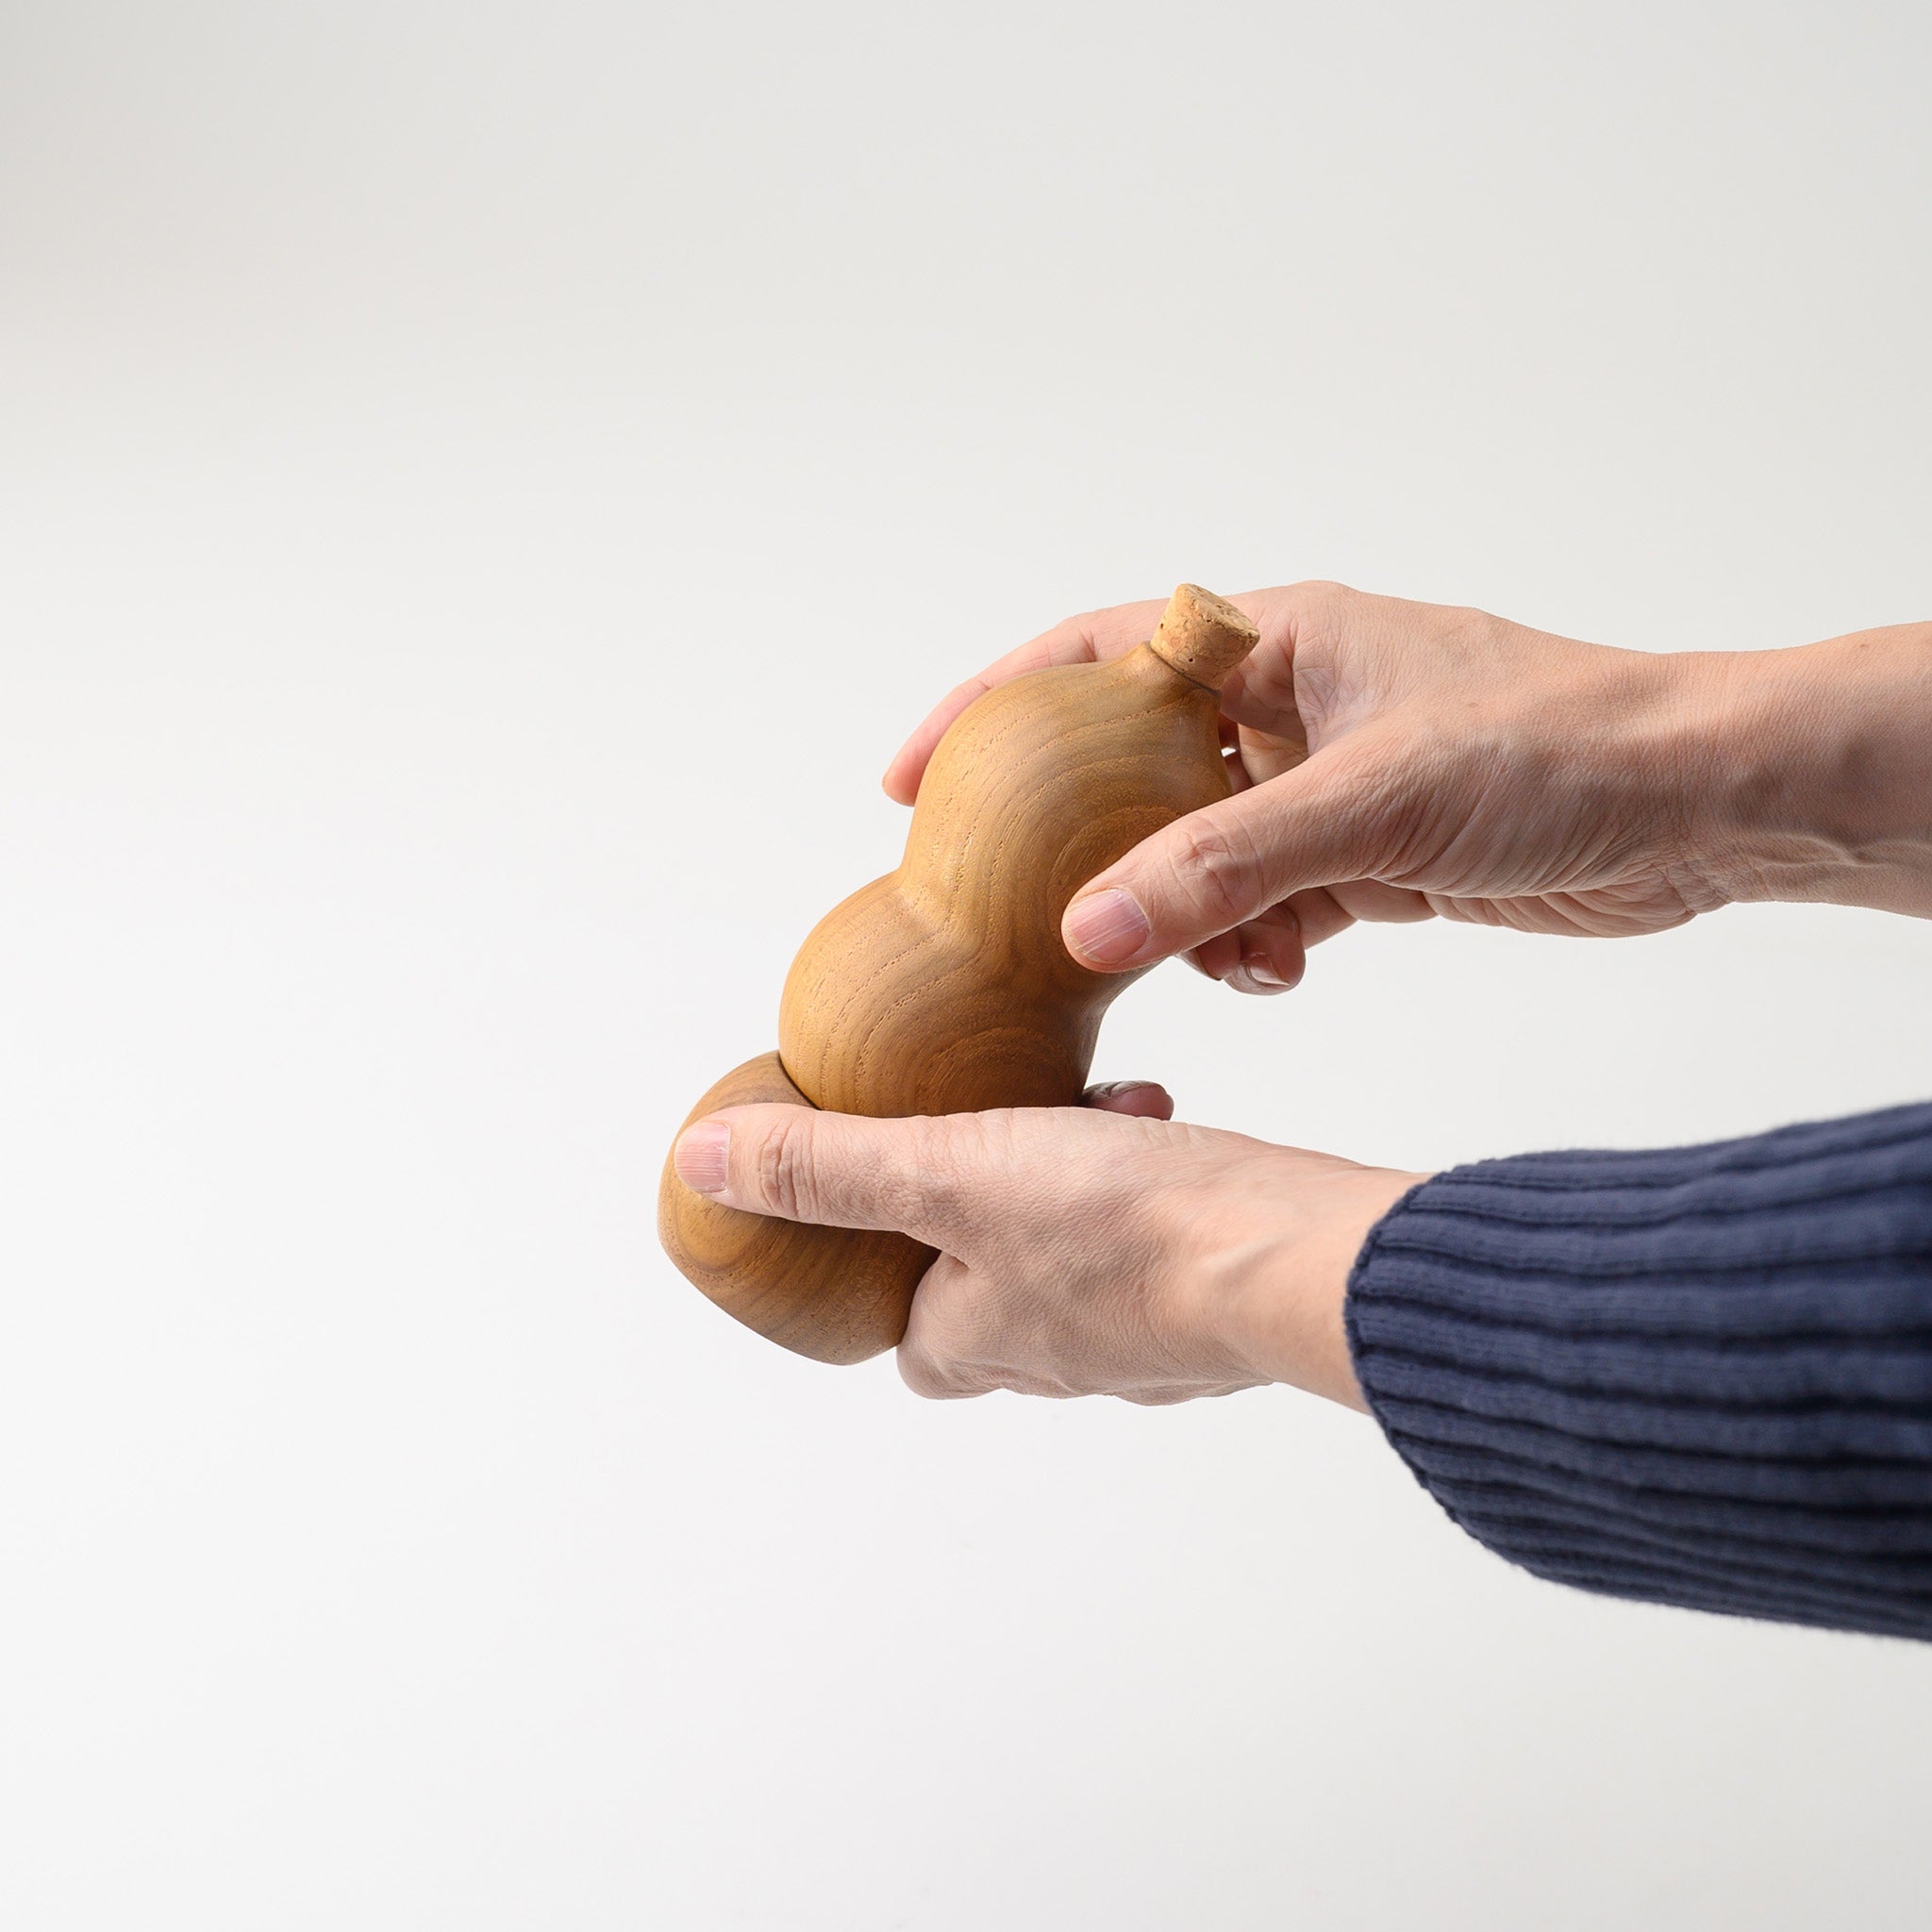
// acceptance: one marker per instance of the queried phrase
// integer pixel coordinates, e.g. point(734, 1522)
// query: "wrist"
point(1281, 1288)
point(1809, 771)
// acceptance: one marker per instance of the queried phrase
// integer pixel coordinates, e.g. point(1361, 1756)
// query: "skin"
point(1392, 761)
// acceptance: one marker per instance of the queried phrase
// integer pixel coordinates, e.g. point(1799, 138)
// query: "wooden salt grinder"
point(945, 987)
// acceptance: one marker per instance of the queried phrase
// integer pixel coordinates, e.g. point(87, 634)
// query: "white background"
point(483, 491)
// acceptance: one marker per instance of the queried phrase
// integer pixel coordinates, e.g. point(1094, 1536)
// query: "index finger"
point(1092, 638)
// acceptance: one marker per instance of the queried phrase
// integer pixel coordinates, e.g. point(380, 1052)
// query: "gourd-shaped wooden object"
point(945, 987)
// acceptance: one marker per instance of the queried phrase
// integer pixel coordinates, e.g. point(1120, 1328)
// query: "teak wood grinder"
point(945, 987)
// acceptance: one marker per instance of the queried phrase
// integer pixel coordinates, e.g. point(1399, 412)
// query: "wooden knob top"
point(1202, 635)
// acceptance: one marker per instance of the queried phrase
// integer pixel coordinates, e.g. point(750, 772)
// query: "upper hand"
point(1395, 762)
point(1096, 1250)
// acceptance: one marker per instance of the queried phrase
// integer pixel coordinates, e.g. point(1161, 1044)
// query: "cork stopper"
point(1202, 635)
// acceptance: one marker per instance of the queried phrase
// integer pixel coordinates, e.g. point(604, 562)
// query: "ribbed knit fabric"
point(1698, 1376)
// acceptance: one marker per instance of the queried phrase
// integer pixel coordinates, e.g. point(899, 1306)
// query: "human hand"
point(1398, 761)
point(1101, 1250)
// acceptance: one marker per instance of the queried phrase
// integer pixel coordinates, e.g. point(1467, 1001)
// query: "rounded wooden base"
point(838, 1295)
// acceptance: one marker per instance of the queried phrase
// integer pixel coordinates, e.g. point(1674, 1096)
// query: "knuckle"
point(1074, 638)
point(1325, 607)
point(927, 1185)
point(943, 1180)
point(928, 1380)
point(1318, 592)
point(934, 1358)
point(1214, 868)
point(784, 1168)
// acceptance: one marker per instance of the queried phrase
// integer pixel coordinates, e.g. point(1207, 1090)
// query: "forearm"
point(1810, 769)
point(1701, 1377)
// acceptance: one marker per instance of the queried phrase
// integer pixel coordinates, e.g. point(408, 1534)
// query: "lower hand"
point(1103, 1250)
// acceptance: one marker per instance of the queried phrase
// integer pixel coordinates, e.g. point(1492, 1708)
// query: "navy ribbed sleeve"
point(1699, 1376)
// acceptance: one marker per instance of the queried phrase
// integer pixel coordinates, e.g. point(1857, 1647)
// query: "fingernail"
point(701, 1156)
point(1109, 928)
point(1253, 976)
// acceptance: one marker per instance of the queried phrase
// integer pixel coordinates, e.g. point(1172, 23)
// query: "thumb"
point(839, 1169)
point(1334, 819)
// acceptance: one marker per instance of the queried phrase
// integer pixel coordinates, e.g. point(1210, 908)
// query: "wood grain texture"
point(945, 987)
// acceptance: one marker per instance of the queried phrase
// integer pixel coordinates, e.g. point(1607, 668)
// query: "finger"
point(1272, 956)
point(1167, 1395)
point(1097, 636)
point(1264, 956)
point(1217, 958)
point(1337, 816)
point(1144, 1099)
point(931, 1360)
point(836, 1170)
point(962, 1338)
point(1261, 957)
point(934, 1178)
point(1321, 915)
point(1317, 916)
point(1376, 904)
point(1264, 755)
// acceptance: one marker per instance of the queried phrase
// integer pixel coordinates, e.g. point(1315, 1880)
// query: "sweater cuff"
point(1700, 1376)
